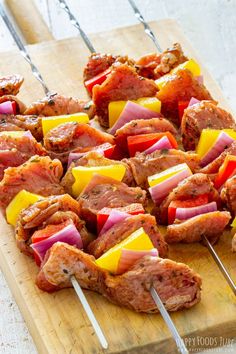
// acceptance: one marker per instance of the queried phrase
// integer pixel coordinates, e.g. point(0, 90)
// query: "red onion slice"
point(133, 111)
point(114, 217)
point(6, 107)
point(187, 213)
point(129, 257)
point(193, 101)
point(163, 143)
point(161, 190)
point(222, 142)
point(68, 235)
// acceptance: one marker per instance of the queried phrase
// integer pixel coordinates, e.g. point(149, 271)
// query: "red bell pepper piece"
point(189, 203)
point(226, 170)
point(109, 151)
point(103, 214)
point(45, 233)
point(144, 141)
point(96, 80)
point(182, 105)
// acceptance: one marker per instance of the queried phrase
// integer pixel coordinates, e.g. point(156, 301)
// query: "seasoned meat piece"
point(56, 105)
point(104, 192)
point(234, 243)
point(10, 84)
point(39, 175)
point(91, 159)
point(123, 229)
point(20, 106)
point(10, 122)
point(143, 165)
point(177, 285)
point(122, 84)
point(192, 187)
point(61, 262)
point(15, 150)
point(228, 194)
point(142, 126)
point(210, 225)
point(213, 167)
point(200, 116)
point(67, 137)
point(98, 63)
point(182, 86)
point(156, 65)
point(53, 210)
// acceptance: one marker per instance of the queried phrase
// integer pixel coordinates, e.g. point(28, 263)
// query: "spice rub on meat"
point(56, 105)
point(191, 187)
point(228, 195)
point(68, 137)
point(123, 229)
point(10, 84)
point(15, 150)
point(39, 175)
point(178, 286)
point(211, 225)
point(142, 126)
point(91, 159)
point(18, 122)
point(156, 65)
point(143, 165)
point(123, 83)
point(98, 63)
point(52, 210)
point(202, 115)
point(107, 192)
point(181, 86)
point(61, 262)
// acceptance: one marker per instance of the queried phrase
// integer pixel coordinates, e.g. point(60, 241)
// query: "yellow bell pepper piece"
point(114, 111)
point(49, 123)
point(83, 175)
point(151, 103)
point(190, 64)
point(137, 241)
point(162, 176)
point(116, 107)
point(234, 223)
point(21, 201)
point(208, 138)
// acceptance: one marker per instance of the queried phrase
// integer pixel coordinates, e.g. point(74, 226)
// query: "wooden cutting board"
point(57, 321)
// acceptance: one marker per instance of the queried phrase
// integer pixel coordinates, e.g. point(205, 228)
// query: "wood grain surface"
point(29, 21)
point(57, 322)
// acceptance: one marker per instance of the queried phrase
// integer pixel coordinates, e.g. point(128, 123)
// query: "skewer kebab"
point(179, 342)
point(121, 302)
point(39, 77)
point(213, 253)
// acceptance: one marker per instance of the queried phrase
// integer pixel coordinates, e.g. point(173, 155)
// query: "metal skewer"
point(146, 26)
point(208, 244)
point(23, 50)
point(76, 24)
point(89, 312)
point(39, 77)
point(220, 264)
point(179, 341)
